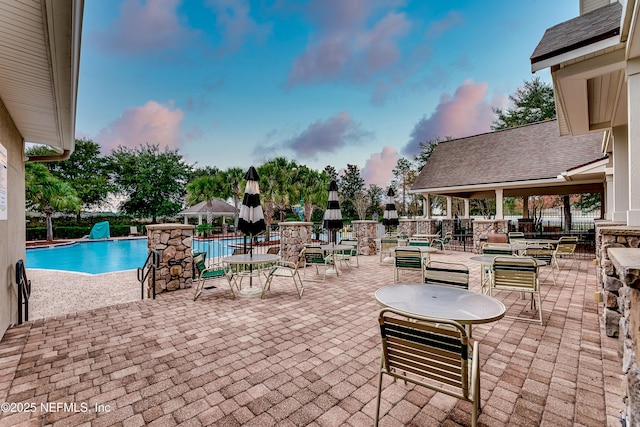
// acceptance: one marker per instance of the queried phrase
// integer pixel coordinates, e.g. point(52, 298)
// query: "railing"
point(24, 291)
point(150, 265)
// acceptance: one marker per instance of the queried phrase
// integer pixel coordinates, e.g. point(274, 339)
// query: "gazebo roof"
point(219, 208)
point(527, 156)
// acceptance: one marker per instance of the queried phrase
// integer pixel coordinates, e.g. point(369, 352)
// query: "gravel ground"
point(55, 293)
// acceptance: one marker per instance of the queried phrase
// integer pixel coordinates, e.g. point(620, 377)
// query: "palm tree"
point(203, 189)
point(233, 179)
point(48, 194)
point(311, 186)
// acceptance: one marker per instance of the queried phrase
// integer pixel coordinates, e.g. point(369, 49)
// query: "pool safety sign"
point(3, 182)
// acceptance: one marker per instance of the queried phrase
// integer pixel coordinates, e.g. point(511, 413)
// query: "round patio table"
point(332, 249)
point(255, 262)
point(443, 302)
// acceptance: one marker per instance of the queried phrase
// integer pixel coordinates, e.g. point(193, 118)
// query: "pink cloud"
point(350, 45)
point(234, 22)
point(152, 123)
point(146, 26)
point(378, 169)
point(463, 114)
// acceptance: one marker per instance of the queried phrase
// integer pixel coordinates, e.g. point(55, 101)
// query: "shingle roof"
point(578, 32)
point(219, 207)
point(524, 153)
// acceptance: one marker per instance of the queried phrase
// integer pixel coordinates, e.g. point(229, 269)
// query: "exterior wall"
point(174, 242)
point(624, 281)
point(407, 227)
point(293, 236)
point(425, 226)
point(12, 230)
point(483, 227)
point(587, 6)
point(366, 232)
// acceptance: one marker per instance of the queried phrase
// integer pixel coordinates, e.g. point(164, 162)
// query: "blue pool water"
point(104, 256)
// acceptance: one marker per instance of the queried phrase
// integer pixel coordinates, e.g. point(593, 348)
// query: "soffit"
point(39, 62)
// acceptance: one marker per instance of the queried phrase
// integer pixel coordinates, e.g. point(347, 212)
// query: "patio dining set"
point(425, 325)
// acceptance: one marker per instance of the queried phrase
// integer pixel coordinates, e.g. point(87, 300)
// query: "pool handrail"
point(151, 264)
point(24, 291)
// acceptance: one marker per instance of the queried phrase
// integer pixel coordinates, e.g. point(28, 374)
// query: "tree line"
point(152, 183)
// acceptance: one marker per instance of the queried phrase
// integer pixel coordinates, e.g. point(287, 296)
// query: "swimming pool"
point(103, 256)
point(108, 256)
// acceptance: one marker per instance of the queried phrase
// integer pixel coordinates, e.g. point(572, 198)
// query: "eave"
point(39, 65)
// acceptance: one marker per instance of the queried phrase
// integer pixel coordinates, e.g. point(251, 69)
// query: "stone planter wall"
point(622, 290)
point(483, 227)
point(173, 242)
point(365, 232)
point(406, 227)
point(293, 236)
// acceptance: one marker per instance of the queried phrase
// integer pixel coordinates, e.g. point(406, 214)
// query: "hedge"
point(77, 232)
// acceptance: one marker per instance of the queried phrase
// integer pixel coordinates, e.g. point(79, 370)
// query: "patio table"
point(255, 263)
point(445, 302)
point(332, 249)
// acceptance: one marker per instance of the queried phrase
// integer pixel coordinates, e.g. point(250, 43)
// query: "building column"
point(620, 192)
point(466, 208)
point(633, 143)
point(426, 206)
point(525, 207)
point(499, 202)
point(449, 207)
point(607, 201)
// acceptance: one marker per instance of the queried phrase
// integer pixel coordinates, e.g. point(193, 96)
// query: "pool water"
point(104, 256)
point(108, 256)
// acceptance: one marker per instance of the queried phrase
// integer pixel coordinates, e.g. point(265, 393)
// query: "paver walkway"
point(311, 361)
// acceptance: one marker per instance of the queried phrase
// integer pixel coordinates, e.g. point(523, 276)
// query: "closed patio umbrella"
point(332, 220)
point(251, 217)
point(390, 216)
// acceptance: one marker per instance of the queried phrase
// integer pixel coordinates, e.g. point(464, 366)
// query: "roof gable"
point(597, 25)
point(524, 153)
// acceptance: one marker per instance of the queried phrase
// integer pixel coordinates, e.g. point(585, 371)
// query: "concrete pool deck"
point(286, 361)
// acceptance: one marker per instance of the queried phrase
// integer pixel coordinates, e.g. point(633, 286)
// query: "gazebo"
point(218, 208)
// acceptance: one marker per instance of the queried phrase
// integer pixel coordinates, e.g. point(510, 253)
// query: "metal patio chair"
point(432, 353)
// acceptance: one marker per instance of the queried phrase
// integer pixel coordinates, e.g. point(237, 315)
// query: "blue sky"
point(325, 82)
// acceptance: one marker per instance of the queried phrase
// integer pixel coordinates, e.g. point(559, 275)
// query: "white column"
point(620, 196)
point(449, 207)
point(426, 206)
point(499, 214)
point(466, 208)
point(633, 143)
point(608, 194)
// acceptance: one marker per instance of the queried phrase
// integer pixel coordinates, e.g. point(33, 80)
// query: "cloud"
point(378, 169)
point(326, 136)
point(151, 123)
point(350, 45)
point(235, 24)
point(463, 114)
point(144, 27)
point(437, 28)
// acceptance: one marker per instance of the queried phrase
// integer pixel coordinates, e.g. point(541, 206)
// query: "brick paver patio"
point(311, 361)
